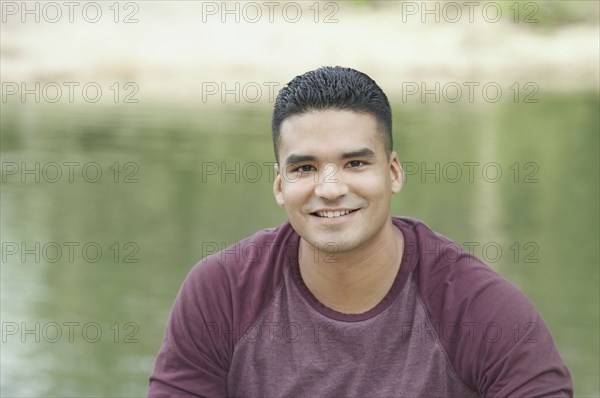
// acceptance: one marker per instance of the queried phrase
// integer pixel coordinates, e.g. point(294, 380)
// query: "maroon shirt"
point(245, 324)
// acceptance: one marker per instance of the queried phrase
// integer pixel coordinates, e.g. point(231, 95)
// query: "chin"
point(332, 245)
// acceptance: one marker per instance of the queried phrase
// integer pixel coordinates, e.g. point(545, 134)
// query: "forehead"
point(326, 132)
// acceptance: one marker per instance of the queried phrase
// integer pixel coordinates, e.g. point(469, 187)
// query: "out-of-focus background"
point(135, 140)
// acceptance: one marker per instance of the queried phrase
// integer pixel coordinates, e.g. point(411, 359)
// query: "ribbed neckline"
point(407, 266)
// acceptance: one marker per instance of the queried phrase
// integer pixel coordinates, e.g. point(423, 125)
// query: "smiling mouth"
point(332, 214)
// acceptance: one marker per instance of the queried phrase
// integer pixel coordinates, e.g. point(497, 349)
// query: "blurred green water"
point(162, 203)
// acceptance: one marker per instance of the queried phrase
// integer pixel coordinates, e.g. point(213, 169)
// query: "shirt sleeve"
point(193, 360)
point(495, 339)
point(519, 356)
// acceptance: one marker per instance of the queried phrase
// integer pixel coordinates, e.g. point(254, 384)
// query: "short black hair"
point(333, 88)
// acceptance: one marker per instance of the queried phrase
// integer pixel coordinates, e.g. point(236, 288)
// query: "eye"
point(304, 168)
point(356, 163)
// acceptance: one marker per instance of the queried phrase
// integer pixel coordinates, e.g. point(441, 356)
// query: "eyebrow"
point(360, 153)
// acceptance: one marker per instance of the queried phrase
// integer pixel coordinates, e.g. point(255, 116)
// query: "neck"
point(355, 281)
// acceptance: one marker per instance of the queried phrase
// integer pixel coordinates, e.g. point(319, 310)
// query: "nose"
point(330, 185)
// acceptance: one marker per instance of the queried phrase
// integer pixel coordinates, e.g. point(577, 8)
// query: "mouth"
point(333, 213)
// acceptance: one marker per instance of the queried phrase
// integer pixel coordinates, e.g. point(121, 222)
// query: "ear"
point(277, 188)
point(396, 173)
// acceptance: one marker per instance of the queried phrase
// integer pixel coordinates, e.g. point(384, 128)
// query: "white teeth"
point(330, 214)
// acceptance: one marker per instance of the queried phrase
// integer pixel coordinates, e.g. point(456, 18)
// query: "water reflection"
point(204, 179)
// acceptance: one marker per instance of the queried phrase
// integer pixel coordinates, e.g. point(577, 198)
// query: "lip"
point(334, 220)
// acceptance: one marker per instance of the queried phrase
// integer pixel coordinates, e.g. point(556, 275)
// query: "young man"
point(344, 300)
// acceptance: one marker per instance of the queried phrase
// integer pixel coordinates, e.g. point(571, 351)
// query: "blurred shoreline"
point(177, 52)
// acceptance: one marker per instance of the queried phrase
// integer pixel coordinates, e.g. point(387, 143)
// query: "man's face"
point(335, 179)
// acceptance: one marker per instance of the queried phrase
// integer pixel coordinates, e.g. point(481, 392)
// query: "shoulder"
point(221, 294)
point(441, 268)
point(266, 249)
point(454, 284)
point(486, 325)
point(240, 280)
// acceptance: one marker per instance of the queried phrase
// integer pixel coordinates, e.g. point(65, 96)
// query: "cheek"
point(373, 185)
point(295, 192)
